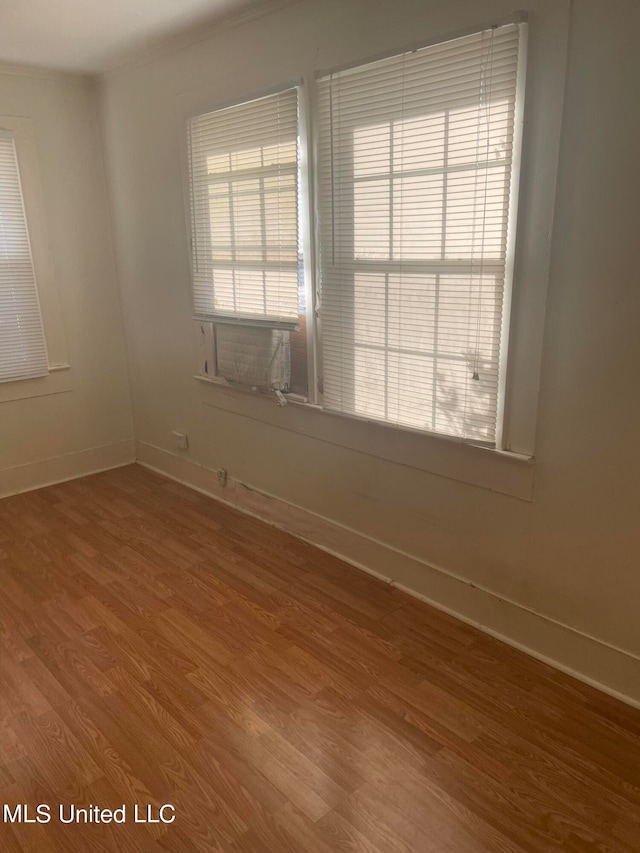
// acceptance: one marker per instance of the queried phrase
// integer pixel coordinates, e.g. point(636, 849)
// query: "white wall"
point(569, 550)
point(77, 420)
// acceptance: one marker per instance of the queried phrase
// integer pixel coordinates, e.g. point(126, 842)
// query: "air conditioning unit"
point(254, 356)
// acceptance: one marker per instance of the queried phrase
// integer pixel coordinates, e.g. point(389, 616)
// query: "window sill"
point(496, 470)
point(58, 381)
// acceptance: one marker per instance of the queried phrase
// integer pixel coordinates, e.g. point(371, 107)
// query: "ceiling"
point(96, 35)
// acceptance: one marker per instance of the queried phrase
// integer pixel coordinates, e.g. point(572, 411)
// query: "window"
point(416, 157)
point(244, 207)
point(417, 182)
point(23, 352)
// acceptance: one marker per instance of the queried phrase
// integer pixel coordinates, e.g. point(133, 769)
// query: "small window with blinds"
point(23, 352)
point(416, 155)
point(243, 164)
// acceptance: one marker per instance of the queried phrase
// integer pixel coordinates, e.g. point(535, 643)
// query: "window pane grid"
point(415, 158)
point(244, 194)
point(23, 351)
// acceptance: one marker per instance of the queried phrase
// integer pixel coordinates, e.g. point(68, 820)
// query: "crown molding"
point(43, 73)
point(180, 41)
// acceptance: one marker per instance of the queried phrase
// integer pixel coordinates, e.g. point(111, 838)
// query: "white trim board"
point(70, 466)
point(607, 668)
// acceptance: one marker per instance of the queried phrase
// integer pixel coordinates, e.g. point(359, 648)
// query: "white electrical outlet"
point(222, 476)
point(180, 439)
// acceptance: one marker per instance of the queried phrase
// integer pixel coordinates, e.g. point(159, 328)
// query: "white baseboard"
point(46, 472)
point(613, 670)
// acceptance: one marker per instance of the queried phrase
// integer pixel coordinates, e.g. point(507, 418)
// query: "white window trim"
point(508, 469)
point(520, 19)
point(440, 455)
point(200, 127)
point(59, 378)
point(309, 230)
point(200, 102)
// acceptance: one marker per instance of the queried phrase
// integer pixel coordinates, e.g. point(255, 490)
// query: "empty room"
point(319, 459)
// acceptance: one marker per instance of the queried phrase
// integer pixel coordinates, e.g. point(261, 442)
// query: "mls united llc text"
point(44, 813)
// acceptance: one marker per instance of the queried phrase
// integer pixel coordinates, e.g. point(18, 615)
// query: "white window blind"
point(416, 156)
point(23, 352)
point(244, 204)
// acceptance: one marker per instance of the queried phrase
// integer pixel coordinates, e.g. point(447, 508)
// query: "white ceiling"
point(96, 35)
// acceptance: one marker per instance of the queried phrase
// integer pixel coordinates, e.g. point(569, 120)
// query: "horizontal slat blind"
point(23, 353)
point(244, 203)
point(415, 159)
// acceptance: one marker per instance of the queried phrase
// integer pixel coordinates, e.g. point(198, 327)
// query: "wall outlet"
point(180, 439)
point(222, 476)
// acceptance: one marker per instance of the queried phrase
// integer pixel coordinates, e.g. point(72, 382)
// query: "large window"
point(416, 179)
point(416, 157)
point(23, 353)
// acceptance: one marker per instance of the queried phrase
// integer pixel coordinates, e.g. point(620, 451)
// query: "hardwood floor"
point(158, 647)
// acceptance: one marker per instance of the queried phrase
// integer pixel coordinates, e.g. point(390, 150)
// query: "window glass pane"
point(276, 283)
point(417, 217)
point(248, 158)
point(371, 219)
point(284, 152)
point(218, 163)
point(370, 383)
point(250, 291)
point(372, 150)
point(224, 290)
point(470, 313)
point(419, 143)
point(369, 309)
point(480, 133)
point(220, 222)
point(410, 378)
point(475, 214)
point(412, 312)
point(462, 403)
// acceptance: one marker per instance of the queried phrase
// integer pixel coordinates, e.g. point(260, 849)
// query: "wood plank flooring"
point(158, 647)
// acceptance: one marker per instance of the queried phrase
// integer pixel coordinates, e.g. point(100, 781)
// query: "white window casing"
point(506, 463)
point(59, 377)
point(243, 171)
point(417, 199)
point(23, 350)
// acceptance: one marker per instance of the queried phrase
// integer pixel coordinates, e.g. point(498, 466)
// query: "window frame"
point(507, 468)
point(195, 104)
point(501, 436)
point(224, 317)
point(59, 376)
